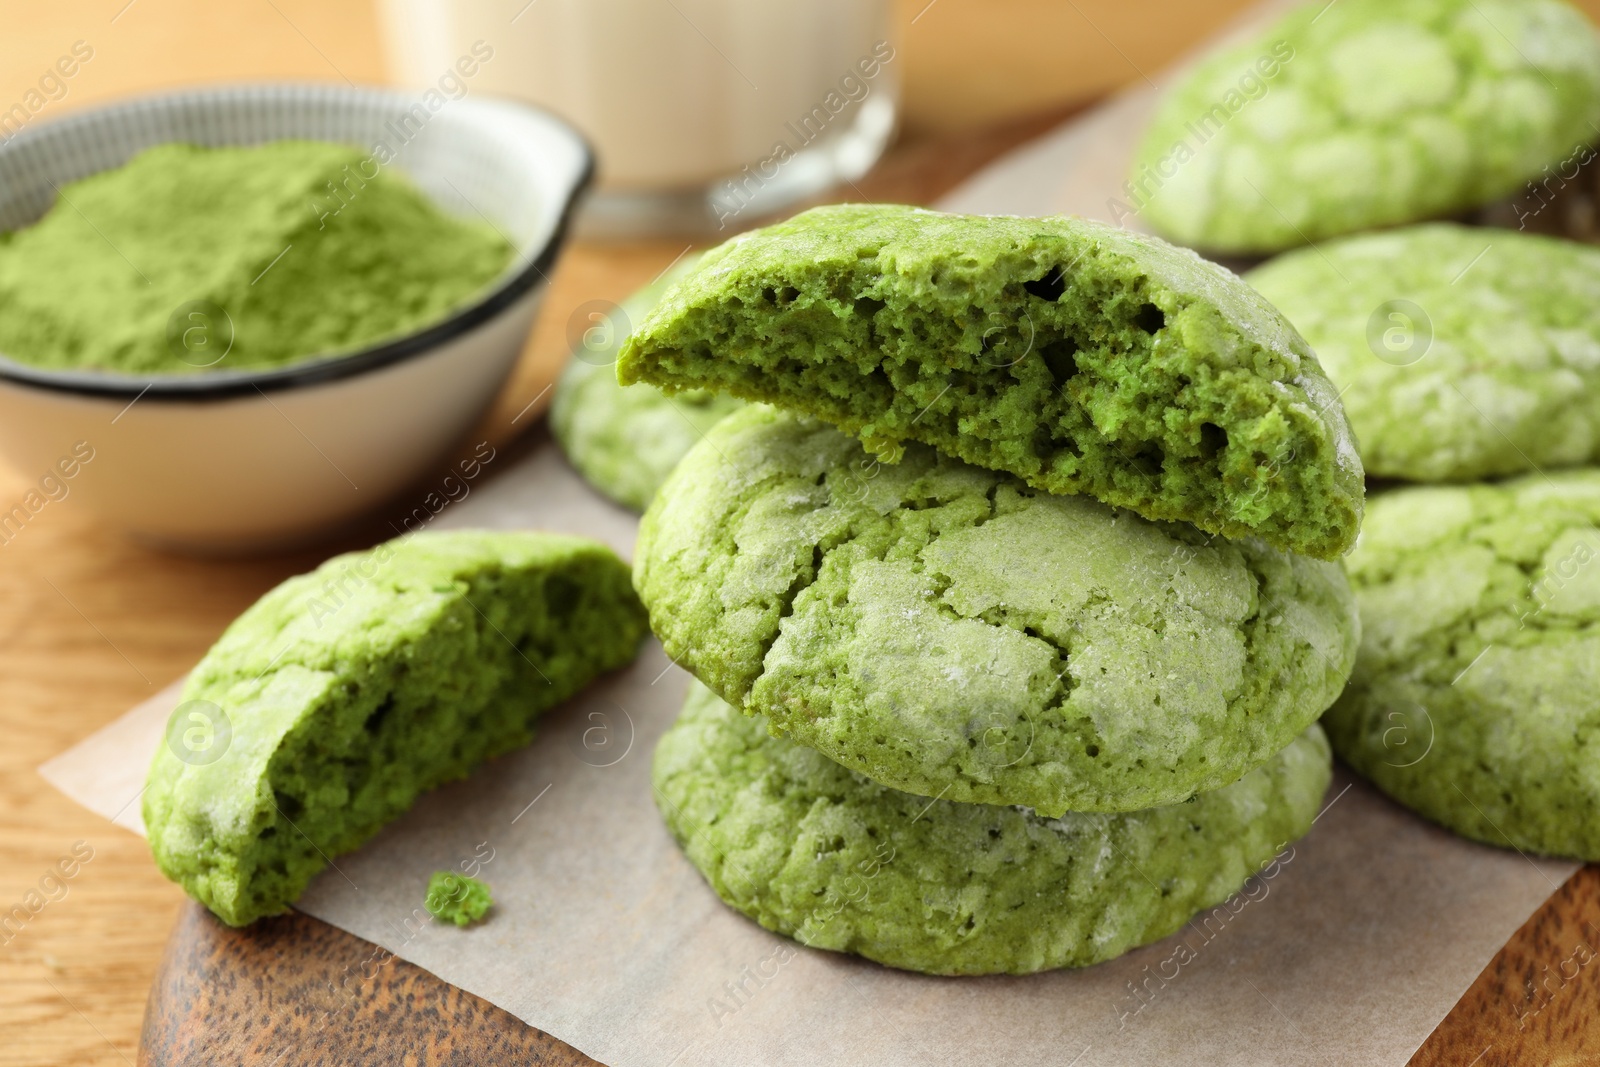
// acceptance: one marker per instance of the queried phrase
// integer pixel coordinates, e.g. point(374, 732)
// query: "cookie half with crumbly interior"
point(949, 631)
point(342, 695)
point(836, 861)
point(1082, 358)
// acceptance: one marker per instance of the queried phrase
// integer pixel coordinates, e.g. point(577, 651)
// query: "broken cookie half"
point(1079, 357)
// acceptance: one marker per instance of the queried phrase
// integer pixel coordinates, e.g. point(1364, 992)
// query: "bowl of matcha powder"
point(268, 309)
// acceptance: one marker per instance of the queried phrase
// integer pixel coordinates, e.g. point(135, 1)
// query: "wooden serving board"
point(280, 991)
point(272, 994)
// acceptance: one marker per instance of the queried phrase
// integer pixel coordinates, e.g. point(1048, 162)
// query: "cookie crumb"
point(456, 898)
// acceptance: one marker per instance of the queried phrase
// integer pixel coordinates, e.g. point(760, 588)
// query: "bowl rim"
point(316, 370)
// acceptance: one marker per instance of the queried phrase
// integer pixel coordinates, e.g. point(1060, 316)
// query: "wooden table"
point(90, 623)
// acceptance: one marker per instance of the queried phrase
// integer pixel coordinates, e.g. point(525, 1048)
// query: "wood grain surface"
point(296, 991)
point(91, 623)
point(294, 983)
point(1538, 1000)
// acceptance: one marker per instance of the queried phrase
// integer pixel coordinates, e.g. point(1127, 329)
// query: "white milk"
point(674, 94)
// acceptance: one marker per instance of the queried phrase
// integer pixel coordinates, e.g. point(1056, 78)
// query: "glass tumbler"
point(705, 114)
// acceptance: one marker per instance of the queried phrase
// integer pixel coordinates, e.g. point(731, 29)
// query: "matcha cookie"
point(1076, 356)
point(1460, 353)
point(625, 439)
point(1473, 700)
point(338, 698)
point(949, 631)
point(1365, 113)
point(809, 849)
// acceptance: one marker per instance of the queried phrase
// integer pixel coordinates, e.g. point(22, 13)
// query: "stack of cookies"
point(1012, 617)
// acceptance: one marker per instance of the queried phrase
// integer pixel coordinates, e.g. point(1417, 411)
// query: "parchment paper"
point(603, 935)
point(1354, 949)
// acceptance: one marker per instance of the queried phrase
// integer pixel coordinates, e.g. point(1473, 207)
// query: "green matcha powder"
point(190, 258)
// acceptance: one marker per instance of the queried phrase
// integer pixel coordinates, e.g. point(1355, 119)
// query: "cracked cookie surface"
point(836, 861)
point(1492, 369)
point(1367, 113)
point(1473, 699)
point(1077, 356)
point(949, 631)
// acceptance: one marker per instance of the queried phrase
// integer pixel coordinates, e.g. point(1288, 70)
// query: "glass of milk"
point(706, 114)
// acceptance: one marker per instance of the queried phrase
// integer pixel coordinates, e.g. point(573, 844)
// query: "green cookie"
point(625, 440)
point(808, 849)
point(948, 631)
point(1461, 353)
point(338, 698)
point(1474, 697)
point(1358, 114)
point(1078, 357)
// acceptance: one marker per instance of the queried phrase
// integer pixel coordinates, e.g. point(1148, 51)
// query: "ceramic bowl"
point(239, 460)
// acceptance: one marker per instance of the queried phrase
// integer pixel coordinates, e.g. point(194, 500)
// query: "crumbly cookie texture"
point(1473, 699)
point(811, 850)
point(949, 631)
point(456, 898)
point(343, 694)
point(625, 439)
point(1079, 357)
point(1366, 113)
point(1461, 353)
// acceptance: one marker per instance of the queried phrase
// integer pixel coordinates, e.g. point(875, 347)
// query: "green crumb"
point(187, 258)
point(625, 439)
point(1461, 352)
point(836, 861)
point(341, 696)
point(456, 898)
point(1079, 357)
point(1473, 697)
point(1363, 114)
point(947, 630)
